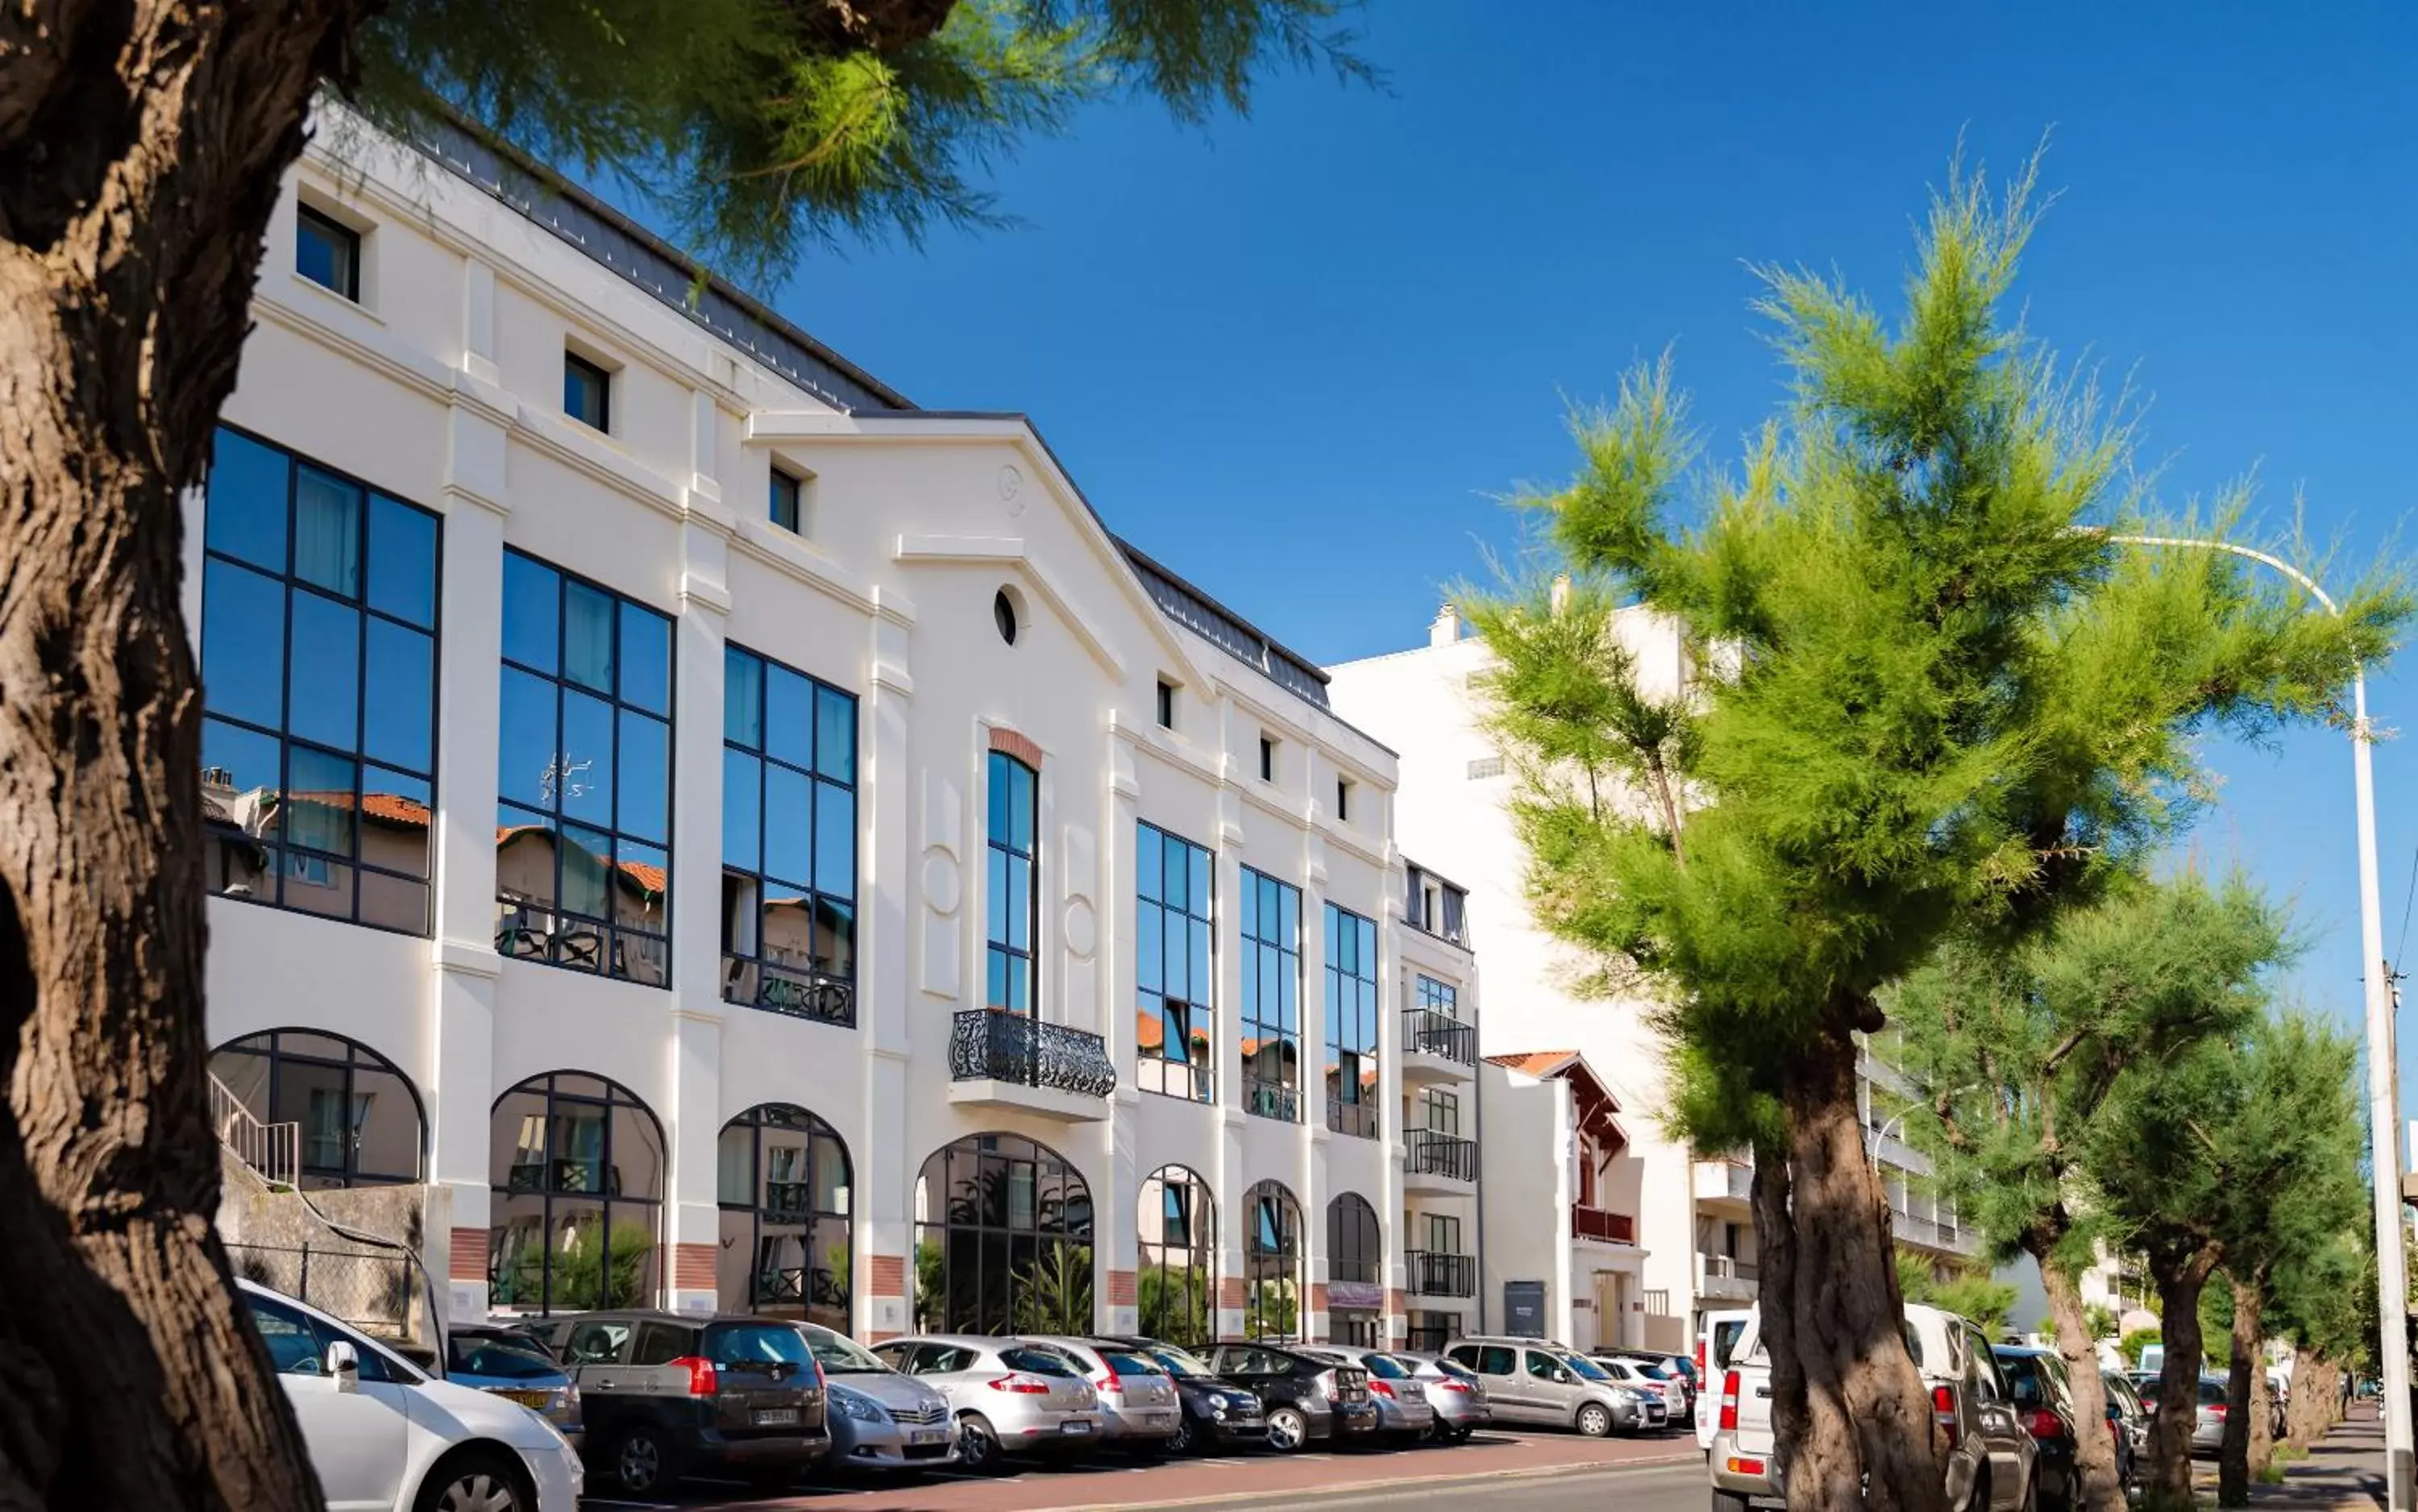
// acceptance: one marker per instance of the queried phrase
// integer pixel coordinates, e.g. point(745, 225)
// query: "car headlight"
point(565, 1402)
point(1220, 1400)
point(862, 1409)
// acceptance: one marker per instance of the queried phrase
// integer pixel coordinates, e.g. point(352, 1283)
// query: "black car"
point(1306, 1399)
point(1218, 1413)
point(665, 1395)
point(2043, 1399)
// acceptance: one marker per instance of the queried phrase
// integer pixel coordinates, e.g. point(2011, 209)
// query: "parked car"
point(2208, 1425)
point(1531, 1381)
point(1714, 1346)
point(513, 1365)
point(1138, 1406)
point(1992, 1458)
point(1456, 1393)
point(385, 1435)
point(1217, 1413)
point(1306, 1399)
point(2043, 1397)
point(1009, 1397)
point(1676, 1369)
point(880, 1419)
point(668, 1394)
point(2125, 1404)
point(1666, 1400)
point(1403, 1411)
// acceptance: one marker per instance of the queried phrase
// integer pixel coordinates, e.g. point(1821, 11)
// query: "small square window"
point(327, 254)
point(586, 392)
point(1267, 759)
point(1166, 705)
point(785, 500)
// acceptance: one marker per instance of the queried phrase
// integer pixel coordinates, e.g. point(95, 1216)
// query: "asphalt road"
point(1653, 1487)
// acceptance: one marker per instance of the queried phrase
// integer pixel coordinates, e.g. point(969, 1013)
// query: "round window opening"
point(1003, 609)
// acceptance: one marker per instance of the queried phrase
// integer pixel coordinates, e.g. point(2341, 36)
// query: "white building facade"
point(739, 840)
point(1688, 1221)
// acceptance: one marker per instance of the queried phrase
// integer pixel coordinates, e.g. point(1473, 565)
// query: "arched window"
point(577, 1163)
point(1014, 886)
point(783, 1179)
point(360, 1118)
point(1177, 1286)
point(1355, 1261)
point(1271, 1264)
point(1003, 1240)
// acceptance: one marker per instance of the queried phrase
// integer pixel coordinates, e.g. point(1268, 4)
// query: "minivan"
point(1533, 1381)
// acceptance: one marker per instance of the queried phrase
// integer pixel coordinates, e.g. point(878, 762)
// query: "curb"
point(1402, 1482)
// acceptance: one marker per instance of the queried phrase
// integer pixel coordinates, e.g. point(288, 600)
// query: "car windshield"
point(494, 1357)
point(759, 1346)
point(840, 1355)
point(1177, 1362)
point(1585, 1368)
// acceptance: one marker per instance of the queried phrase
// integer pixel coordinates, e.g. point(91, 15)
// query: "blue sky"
point(1299, 357)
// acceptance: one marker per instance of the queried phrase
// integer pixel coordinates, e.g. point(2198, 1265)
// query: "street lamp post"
point(2385, 1150)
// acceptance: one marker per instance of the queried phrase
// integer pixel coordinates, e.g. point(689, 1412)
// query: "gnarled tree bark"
point(142, 146)
point(2247, 1442)
point(2180, 1271)
point(2094, 1450)
point(1869, 1438)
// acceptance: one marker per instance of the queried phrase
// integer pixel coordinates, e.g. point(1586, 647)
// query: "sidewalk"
point(2344, 1470)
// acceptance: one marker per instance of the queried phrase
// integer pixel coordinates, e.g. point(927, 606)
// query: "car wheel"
point(1977, 1499)
point(978, 1448)
point(1287, 1429)
point(1180, 1440)
point(1594, 1420)
point(642, 1460)
point(472, 1483)
point(1729, 1502)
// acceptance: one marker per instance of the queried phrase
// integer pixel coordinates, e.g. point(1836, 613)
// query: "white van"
point(386, 1437)
point(1714, 1346)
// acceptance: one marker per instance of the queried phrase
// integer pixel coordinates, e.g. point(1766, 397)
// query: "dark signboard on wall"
point(1524, 1308)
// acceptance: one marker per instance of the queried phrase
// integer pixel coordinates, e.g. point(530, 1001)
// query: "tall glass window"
point(319, 687)
point(1439, 997)
point(1356, 1264)
point(1350, 1023)
point(359, 1119)
point(782, 1178)
point(1272, 1265)
point(577, 1172)
point(1014, 876)
point(1177, 1287)
point(789, 841)
point(584, 770)
point(1271, 1009)
point(1003, 1240)
point(1174, 1045)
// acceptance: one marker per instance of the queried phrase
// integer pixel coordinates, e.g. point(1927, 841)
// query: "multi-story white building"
point(1685, 1221)
point(734, 838)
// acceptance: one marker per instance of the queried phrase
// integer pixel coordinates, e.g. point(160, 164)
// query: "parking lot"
point(1115, 1480)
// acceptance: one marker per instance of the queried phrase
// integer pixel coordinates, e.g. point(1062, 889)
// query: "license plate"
point(927, 1435)
point(527, 1398)
point(776, 1417)
point(1075, 1425)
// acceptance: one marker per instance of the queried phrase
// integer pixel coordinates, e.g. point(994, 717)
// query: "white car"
point(1673, 1395)
point(385, 1435)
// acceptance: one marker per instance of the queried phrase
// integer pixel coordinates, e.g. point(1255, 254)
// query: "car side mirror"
point(345, 1364)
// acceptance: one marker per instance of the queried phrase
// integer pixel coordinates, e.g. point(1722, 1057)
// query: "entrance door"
point(1612, 1309)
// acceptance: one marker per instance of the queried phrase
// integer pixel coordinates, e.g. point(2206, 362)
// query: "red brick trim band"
point(693, 1267)
point(1232, 1293)
point(1122, 1288)
point(889, 1277)
point(1009, 743)
point(466, 1256)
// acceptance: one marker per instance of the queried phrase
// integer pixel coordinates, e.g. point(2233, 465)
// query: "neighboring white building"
point(1692, 1223)
point(740, 840)
point(1561, 1234)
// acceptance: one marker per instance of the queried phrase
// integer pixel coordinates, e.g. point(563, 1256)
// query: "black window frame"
point(548, 1188)
point(1269, 1269)
point(1343, 799)
point(270, 1045)
point(1025, 958)
point(1351, 1218)
point(308, 219)
point(814, 991)
point(1279, 1097)
point(821, 1294)
point(290, 582)
point(556, 947)
point(1185, 1311)
point(1166, 705)
point(1355, 1088)
point(1268, 758)
point(1196, 1081)
point(977, 1181)
point(787, 489)
point(590, 373)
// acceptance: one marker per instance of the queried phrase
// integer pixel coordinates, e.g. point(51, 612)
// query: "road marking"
point(1395, 1484)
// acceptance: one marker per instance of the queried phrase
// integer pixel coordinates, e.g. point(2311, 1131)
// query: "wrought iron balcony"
point(1272, 1099)
point(1432, 1153)
point(987, 1044)
point(1595, 1223)
point(1437, 1274)
point(1357, 1119)
point(1425, 1032)
point(797, 991)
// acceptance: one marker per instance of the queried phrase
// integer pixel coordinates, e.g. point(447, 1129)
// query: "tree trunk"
point(2316, 1395)
point(2094, 1450)
point(141, 148)
point(2246, 1443)
point(1869, 1438)
point(1776, 1261)
point(2180, 1272)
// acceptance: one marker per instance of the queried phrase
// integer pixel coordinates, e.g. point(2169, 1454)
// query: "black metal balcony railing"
point(987, 1044)
point(798, 991)
point(1357, 1119)
point(1273, 1099)
point(1443, 1154)
point(1425, 1032)
point(1437, 1274)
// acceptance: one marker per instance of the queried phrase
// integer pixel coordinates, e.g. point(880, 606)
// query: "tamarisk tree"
point(1928, 692)
point(2014, 1053)
point(141, 148)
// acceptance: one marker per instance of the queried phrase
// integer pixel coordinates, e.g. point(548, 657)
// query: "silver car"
point(1537, 1381)
point(1139, 1408)
point(1455, 1394)
point(1402, 1409)
point(880, 1419)
point(1009, 1397)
